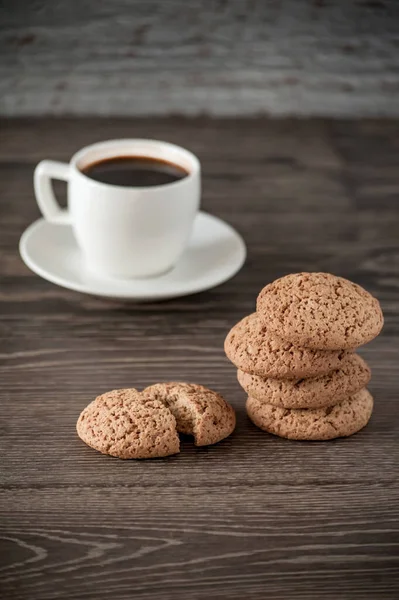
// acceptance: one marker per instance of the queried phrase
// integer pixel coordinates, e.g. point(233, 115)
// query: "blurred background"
point(218, 57)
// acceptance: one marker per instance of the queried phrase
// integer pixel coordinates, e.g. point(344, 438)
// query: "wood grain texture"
point(222, 57)
point(254, 516)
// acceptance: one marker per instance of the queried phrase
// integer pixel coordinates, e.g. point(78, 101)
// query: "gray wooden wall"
point(226, 57)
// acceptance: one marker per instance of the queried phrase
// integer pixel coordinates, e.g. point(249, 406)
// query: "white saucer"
point(215, 253)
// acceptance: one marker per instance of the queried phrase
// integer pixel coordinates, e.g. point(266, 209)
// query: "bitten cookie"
point(320, 310)
point(253, 349)
point(128, 424)
point(340, 420)
point(198, 411)
point(313, 392)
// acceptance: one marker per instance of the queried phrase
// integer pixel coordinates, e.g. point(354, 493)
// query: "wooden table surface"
point(254, 516)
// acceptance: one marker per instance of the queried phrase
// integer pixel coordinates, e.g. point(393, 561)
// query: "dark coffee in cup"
point(125, 230)
point(134, 171)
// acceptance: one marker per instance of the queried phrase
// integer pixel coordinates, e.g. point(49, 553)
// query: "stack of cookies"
point(296, 361)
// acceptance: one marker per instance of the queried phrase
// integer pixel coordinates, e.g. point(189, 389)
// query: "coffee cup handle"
point(45, 171)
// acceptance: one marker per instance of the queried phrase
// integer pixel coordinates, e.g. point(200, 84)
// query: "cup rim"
point(148, 145)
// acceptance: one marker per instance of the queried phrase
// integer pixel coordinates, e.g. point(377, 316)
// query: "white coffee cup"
point(124, 232)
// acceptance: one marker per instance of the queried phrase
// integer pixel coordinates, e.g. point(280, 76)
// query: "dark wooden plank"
point(254, 516)
point(224, 57)
point(226, 542)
